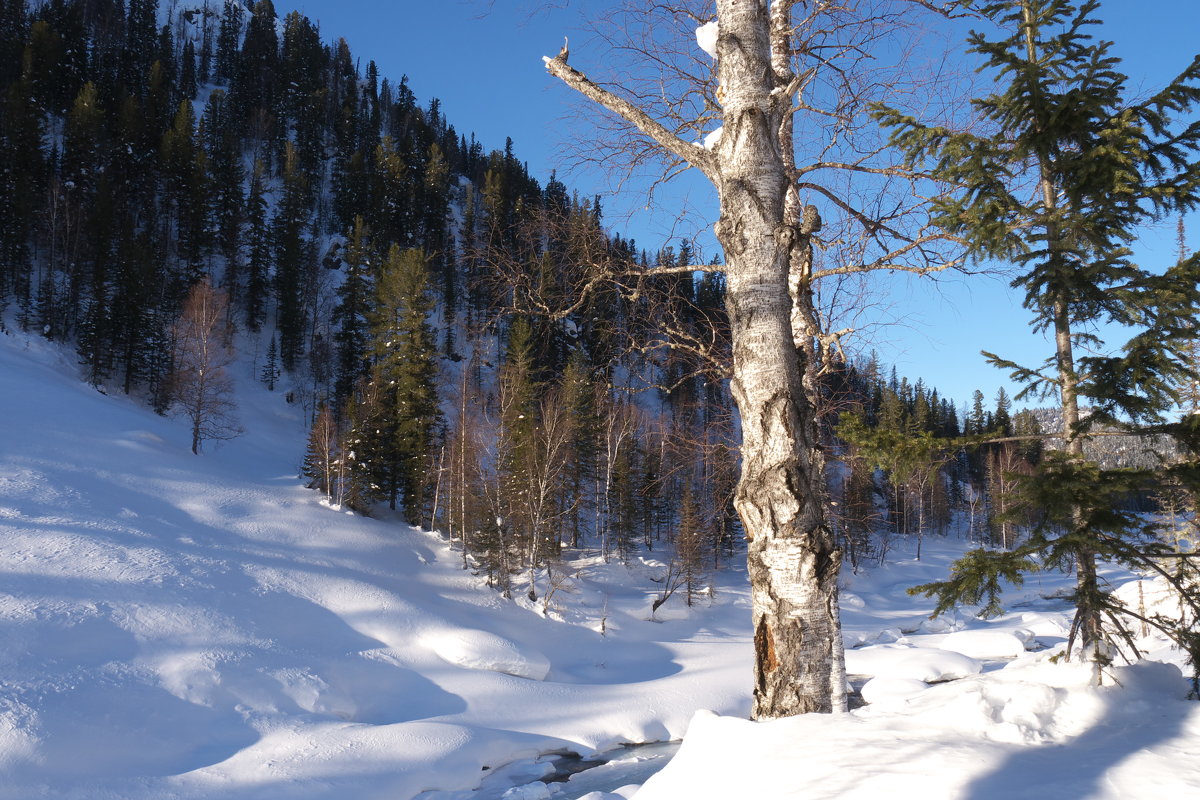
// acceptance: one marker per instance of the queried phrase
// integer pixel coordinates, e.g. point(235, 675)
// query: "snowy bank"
point(1031, 730)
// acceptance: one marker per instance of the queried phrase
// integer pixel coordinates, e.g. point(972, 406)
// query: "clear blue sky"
point(483, 61)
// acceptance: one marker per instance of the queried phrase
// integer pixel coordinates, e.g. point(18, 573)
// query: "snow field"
point(198, 627)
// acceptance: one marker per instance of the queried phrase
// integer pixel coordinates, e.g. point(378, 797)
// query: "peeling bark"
point(792, 554)
point(793, 558)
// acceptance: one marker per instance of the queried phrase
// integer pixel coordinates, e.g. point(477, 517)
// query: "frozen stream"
point(569, 776)
point(632, 764)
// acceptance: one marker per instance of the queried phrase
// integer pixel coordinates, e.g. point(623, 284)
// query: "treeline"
point(421, 299)
point(911, 462)
point(415, 294)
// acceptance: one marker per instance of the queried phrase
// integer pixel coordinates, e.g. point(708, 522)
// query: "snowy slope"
point(174, 626)
point(177, 626)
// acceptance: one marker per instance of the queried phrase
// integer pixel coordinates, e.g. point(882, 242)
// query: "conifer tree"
point(258, 250)
point(404, 372)
point(976, 420)
point(185, 88)
point(1001, 421)
point(21, 129)
point(516, 445)
point(270, 370)
point(578, 396)
point(227, 176)
point(293, 256)
point(254, 88)
point(184, 170)
point(350, 316)
point(229, 36)
point(140, 30)
point(13, 33)
point(1102, 164)
point(692, 545)
point(135, 324)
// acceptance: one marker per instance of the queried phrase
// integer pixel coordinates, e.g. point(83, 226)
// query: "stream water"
point(568, 776)
point(614, 769)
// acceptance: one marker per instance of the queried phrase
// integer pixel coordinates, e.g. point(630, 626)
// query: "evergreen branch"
point(1035, 381)
point(976, 576)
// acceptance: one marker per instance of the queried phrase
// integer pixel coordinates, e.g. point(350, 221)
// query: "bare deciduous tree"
point(201, 387)
point(770, 62)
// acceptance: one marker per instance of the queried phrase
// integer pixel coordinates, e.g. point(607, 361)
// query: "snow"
point(706, 38)
point(985, 644)
point(176, 626)
point(888, 691)
point(187, 627)
point(982, 738)
point(482, 650)
point(925, 664)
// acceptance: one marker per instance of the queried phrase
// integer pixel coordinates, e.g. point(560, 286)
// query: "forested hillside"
point(419, 296)
point(412, 291)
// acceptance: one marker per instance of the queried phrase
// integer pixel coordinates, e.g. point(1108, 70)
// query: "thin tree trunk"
point(1088, 616)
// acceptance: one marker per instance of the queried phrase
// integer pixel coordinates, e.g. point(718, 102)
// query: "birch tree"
point(793, 558)
point(766, 62)
point(200, 383)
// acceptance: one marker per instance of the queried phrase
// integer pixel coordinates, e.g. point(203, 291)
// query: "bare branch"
point(693, 154)
point(900, 172)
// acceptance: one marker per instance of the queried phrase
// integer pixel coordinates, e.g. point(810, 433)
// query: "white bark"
point(793, 557)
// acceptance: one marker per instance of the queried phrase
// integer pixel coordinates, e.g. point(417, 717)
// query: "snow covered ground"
point(174, 626)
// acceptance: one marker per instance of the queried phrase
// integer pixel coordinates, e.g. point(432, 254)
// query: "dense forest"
point(412, 292)
point(186, 183)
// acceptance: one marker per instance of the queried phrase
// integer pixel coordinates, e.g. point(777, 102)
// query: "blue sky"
point(483, 61)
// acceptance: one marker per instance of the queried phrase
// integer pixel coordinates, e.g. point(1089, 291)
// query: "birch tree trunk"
point(793, 557)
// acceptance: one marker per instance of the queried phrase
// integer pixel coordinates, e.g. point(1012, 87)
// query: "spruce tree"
point(516, 447)
point(292, 256)
point(185, 165)
point(1102, 165)
point(350, 316)
point(258, 247)
point(21, 129)
point(1001, 420)
point(229, 35)
point(254, 86)
point(186, 86)
point(270, 370)
point(227, 177)
point(692, 545)
point(404, 372)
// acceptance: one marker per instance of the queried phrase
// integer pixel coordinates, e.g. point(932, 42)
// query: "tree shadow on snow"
point(1080, 767)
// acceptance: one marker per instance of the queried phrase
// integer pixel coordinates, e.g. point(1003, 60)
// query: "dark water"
point(612, 770)
point(568, 776)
